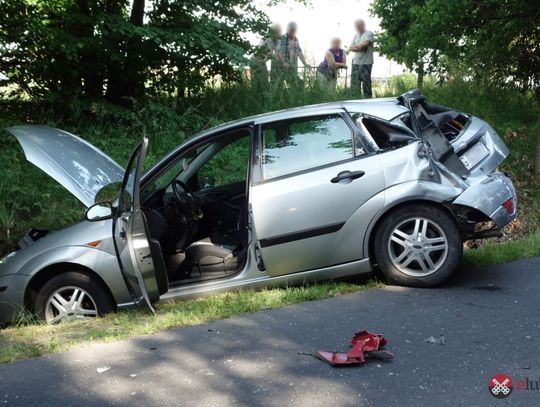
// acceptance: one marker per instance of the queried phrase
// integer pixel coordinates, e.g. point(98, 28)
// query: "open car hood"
point(77, 165)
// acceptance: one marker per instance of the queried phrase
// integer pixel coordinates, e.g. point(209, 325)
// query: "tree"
point(496, 40)
point(120, 49)
point(397, 39)
point(491, 39)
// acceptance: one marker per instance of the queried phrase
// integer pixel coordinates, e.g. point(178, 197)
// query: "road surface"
point(489, 318)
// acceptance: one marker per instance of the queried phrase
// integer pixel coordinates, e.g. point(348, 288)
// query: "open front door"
point(138, 254)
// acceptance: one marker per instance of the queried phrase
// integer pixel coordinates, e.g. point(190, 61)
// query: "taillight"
point(509, 206)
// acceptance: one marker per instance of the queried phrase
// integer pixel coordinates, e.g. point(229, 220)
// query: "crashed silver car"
point(305, 194)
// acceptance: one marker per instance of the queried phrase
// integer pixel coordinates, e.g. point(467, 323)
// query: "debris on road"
point(364, 345)
point(441, 340)
point(102, 369)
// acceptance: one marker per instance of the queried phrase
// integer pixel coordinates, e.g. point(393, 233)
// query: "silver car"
point(305, 194)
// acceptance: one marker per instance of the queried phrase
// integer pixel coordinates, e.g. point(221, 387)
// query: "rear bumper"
point(488, 194)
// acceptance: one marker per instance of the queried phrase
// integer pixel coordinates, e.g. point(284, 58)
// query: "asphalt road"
point(490, 320)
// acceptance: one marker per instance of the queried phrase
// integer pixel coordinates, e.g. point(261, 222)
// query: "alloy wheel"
point(418, 247)
point(68, 304)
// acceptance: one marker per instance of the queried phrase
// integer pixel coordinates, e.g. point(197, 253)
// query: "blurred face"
point(291, 30)
point(275, 31)
point(335, 43)
point(360, 26)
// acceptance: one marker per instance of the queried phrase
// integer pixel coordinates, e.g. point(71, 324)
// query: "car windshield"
point(173, 172)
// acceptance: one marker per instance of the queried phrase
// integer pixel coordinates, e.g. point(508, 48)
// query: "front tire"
point(418, 246)
point(72, 296)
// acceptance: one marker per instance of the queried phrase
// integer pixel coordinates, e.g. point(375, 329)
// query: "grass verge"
point(492, 253)
point(28, 338)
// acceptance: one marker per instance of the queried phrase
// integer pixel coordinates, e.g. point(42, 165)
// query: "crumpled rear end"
point(493, 195)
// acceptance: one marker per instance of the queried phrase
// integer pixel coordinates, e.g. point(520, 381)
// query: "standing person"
point(267, 50)
point(334, 59)
point(290, 52)
point(362, 46)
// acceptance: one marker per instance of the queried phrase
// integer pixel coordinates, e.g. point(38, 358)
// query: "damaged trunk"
point(438, 127)
point(465, 145)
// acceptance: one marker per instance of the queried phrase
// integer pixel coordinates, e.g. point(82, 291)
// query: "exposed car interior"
point(197, 210)
point(386, 136)
point(438, 126)
point(448, 121)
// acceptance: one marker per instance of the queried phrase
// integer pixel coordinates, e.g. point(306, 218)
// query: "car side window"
point(307, 143)
point(228, 166)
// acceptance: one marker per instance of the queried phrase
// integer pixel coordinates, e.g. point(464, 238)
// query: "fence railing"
point(310, 73)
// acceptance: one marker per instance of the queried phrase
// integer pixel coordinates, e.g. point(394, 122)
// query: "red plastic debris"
point(364, 345)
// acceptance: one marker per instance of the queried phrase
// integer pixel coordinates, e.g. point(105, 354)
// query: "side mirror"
point(99, 211)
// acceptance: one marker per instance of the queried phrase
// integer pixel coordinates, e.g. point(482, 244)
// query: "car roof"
point(384, 108)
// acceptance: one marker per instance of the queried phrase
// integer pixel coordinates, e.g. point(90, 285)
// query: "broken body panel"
point(452, 161)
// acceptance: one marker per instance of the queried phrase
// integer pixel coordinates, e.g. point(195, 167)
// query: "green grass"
point(37, 201)
point(498, 253)
point(29, 339)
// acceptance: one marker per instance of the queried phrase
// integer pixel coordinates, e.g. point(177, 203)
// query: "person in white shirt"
point(362, 46)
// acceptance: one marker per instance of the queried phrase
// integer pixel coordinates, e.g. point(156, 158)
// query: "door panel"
point(140, 260)
point(312, 222)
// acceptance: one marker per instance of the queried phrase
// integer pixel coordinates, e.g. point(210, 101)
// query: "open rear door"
point(138, 254)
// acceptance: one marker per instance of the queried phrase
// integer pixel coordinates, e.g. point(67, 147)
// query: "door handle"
point(347, 175)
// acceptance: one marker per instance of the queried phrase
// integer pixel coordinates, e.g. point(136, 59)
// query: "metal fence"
point(309, 73)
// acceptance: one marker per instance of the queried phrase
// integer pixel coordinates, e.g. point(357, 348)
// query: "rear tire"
point(418, 246)
point(72, 296)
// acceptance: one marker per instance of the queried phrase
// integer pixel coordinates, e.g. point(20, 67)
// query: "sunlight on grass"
point(24, 341)
point(498, 253)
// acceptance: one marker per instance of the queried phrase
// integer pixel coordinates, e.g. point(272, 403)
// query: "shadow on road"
point(485, 316)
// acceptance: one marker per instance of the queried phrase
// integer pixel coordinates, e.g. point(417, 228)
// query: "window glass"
point(174, 172)
point(299, 145)
point(228, 166)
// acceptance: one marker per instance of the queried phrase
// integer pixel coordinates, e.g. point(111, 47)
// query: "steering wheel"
point(187, 201)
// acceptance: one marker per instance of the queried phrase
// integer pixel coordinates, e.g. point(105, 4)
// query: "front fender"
point(102, 263)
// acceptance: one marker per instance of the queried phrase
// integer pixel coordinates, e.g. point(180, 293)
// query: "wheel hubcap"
point(68, 304)
point(418, 247)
